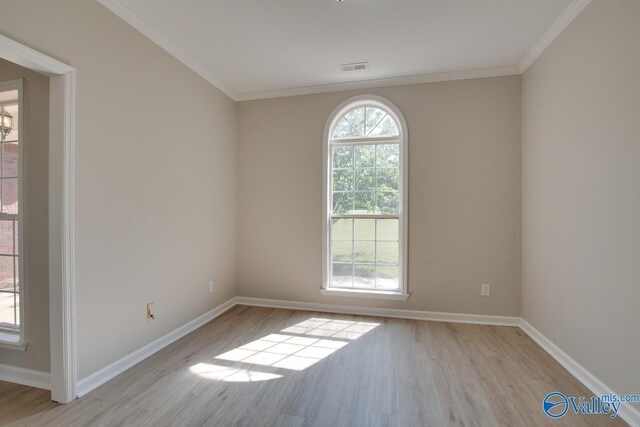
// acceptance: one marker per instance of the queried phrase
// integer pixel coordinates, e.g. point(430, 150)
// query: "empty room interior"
point(320, 213)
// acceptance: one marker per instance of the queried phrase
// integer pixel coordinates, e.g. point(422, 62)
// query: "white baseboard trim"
point(109, 372)
point(41, 379)
point(14, 374)
point(435, 316)
point(627, 412)
point(105, 374)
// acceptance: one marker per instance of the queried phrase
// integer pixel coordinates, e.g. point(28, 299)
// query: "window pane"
point(342, 229)
point(10, 195)
point(343, 180)
point(387, 229)
point(8, 309)
point(17, 309)
point(15, 231)
point(388, 179)
point(365, 179)
point(6, 273)
point(364, 251)
point(388, 203)
point(365, 156)
point(387, 277)
point(341, 251)
point(9, 95)
point(6, 237)
point(342, 275)
point(342, 203)
point(387, 253)
point(10, 160)
point(365, 202)
point(388, 156)
point(365, 229)
point(344, 130)
point(356, 118)
point(17, 272)
point(12, 110)
point(387, 127)
point(343, 157)
point(364, 276)
point(374, 117)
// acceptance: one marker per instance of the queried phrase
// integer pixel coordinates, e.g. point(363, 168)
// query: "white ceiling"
point(259, 48)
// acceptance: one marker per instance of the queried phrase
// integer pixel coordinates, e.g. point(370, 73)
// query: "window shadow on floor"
point(294, 348)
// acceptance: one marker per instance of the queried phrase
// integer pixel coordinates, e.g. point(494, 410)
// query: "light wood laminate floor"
point(272, 367)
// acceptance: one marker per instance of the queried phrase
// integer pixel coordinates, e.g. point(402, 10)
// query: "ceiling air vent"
point(355, 66)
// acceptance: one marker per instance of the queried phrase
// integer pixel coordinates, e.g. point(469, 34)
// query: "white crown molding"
point(435, 316)
point(536, 50)
point(119, 366)
point(139, 24)
point(391, 81)
point(627, 411)
point(29, 377)
point(552, 33)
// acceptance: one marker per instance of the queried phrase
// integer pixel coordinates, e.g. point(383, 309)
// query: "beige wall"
point(464, 195)
point(36, 231)
point(581, 198)
point(155, 178)
point(156, 189)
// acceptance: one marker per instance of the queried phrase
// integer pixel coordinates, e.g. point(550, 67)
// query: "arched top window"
point(365, 206)
point(366, 121)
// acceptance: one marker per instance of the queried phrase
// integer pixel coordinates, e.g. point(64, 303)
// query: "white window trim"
point(403, 188)
point(16, 339)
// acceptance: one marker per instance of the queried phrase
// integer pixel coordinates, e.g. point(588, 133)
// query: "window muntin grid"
point(365, 122)
point(10, 318)
point(365, 172)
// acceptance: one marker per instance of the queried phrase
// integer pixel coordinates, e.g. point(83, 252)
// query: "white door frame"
point(61, 212)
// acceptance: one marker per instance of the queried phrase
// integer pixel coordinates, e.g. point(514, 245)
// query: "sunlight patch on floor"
point(294, 348)
point(232, 375)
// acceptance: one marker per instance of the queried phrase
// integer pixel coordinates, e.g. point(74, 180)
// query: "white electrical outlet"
point(486, 290)
point(210, 286)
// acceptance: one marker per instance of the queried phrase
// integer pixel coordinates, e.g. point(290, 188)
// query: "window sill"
point(360, 293)
point(12, 341)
